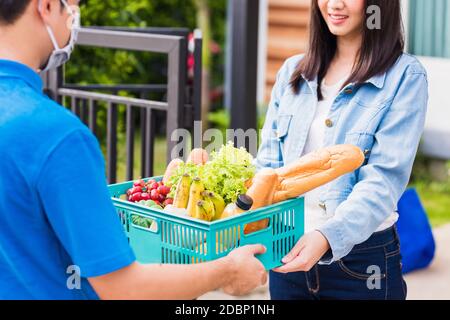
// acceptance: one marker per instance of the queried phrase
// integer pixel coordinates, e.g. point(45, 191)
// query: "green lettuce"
point(225, 174)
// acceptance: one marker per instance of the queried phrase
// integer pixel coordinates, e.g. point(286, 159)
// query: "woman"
point(354, 86)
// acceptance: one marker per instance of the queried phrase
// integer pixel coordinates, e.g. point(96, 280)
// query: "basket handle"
point(257, 233)
point(154, 227)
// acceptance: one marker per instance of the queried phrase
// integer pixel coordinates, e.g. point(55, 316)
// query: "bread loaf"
point(316, 169)
point(198, 156)
point(262, 191)
point(170, 170)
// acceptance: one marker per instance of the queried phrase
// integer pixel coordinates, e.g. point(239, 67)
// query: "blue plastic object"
point(178, 239)
point(416, 237)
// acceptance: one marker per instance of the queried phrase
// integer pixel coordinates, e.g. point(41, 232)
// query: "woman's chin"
point(341, 31)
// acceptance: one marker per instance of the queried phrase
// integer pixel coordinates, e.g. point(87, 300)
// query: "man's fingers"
point(256, 249)
point(264, 278)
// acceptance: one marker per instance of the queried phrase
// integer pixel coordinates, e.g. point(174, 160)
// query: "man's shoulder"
point(33, 117)
point(39, 114)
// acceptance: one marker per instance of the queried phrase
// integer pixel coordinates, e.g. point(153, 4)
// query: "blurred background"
point(244, 43)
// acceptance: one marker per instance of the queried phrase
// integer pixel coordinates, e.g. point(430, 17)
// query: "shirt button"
point(328, 123)
point(323, 206)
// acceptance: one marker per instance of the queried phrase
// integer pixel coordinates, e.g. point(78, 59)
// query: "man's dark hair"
point(11, 10)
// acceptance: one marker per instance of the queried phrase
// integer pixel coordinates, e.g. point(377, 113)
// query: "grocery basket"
point(179, 239)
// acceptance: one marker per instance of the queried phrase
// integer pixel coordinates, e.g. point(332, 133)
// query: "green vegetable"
point(225, 174)
point(147, 203)
point(141, 221)
point(150, 203)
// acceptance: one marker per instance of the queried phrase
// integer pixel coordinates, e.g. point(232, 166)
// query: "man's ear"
point(49, 10)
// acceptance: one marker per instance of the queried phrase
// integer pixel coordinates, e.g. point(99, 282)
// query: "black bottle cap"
point(244, 202)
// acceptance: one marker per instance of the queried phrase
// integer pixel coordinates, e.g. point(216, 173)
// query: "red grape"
point(154, 195)
point(145, 196)
point(136, 190)
point(164, 190)
point(136, 197)
point(155, 185)
point(139, 183)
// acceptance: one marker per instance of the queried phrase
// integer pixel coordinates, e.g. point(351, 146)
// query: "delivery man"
point(55, 212)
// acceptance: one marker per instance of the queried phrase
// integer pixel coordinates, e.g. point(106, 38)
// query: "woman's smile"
point(337, 19)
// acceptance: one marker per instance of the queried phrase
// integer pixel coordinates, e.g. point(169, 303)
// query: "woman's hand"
point(306, 253)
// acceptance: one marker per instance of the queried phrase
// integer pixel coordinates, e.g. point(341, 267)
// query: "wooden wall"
point(287, 35)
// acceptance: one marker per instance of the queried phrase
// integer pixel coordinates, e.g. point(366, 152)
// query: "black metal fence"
point(182, 105)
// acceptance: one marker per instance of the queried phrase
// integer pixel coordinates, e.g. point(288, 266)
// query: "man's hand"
point(247, 272)
point(306, 253)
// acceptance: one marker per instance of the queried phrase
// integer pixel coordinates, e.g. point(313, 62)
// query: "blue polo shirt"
point(56, 216)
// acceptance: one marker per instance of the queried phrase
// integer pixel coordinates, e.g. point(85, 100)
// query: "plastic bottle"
point(243, 204)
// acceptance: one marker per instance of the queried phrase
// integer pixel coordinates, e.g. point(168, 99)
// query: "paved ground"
point(431, 283)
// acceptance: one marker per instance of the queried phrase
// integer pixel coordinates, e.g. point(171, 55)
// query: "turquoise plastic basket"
point(183, 240)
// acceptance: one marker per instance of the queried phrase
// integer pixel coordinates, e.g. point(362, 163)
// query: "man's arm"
point(238, 273)
point(79, 209)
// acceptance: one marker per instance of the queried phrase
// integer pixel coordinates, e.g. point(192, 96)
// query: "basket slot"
point(163, 232)
point(286, 220)
point(183, 237)
point(201, 243)
point(237, 231)
point(171, 234)
point(291, 219)
point(197, 248)
point(275, 224)
point(178, 236)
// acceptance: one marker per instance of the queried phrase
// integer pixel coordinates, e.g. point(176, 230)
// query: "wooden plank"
point(290, 4)
point(297, 18)
point(287, 35)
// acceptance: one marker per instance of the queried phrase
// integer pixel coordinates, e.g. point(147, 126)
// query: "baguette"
point(261, 191)
point(316, 169)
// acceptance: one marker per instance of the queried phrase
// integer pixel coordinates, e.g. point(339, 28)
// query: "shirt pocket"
point(283, 124)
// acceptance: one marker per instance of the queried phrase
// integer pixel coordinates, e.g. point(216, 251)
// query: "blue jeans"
point(372, 271)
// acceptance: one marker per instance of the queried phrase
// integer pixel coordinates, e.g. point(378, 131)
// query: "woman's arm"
point(381, 182)
point(237, 274)
point(384, 179)
point(269, 153)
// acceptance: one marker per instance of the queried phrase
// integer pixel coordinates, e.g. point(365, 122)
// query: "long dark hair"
point(379, 51)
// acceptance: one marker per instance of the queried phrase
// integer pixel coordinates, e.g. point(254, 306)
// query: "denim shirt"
point(385, 117)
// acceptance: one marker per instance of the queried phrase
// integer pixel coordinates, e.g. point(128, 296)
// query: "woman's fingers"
point(294, 252)
point(300, 263)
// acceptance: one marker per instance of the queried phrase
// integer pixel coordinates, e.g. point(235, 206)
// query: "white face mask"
point(59, 55)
